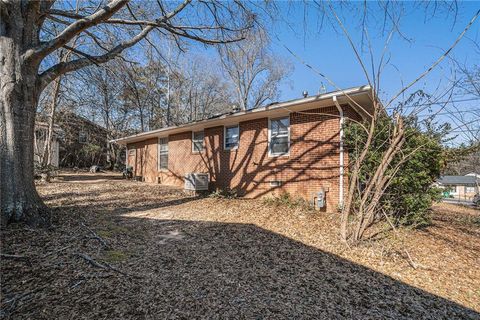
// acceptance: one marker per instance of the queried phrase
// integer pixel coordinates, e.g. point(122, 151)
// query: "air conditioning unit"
point(196, 181)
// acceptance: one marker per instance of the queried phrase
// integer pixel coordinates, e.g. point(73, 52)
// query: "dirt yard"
point(130, 250)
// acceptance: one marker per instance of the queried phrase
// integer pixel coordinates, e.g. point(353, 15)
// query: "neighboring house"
point(41, 133)
point(84, 143)
point(460, 187)
point(292, 146)
point(473, 174)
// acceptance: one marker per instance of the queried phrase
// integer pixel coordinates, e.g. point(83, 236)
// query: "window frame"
point(86, 137)
point(225, 137)
point(160, 168)
point(467, 188)
point(193, 141)
point(283, 154)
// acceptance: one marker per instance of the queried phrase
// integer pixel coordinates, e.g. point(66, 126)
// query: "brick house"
point(84, 142)
point(292, 146)
point(41, 133)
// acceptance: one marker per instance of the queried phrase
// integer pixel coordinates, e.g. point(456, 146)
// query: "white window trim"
point(203, 142)
point(225, 137)
point(158, 154)
point(273, 155)
point(86, 137)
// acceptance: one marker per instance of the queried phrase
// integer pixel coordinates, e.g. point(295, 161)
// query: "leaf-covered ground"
point(129, 250)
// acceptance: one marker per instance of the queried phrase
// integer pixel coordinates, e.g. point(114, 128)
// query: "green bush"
point(411, 193)
point(285, 199)
point(224, 194)
point(92, 152)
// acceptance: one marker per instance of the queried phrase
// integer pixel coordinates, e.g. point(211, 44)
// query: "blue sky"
point(328, 50)
point(298, 25)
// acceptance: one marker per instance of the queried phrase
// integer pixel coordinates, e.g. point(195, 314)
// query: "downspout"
point(342, 122)
point(126, 156)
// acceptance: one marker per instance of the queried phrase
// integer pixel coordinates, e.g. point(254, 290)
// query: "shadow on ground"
point(211, 270)
point(96, 177)
point(200, 270)
point(217, 270)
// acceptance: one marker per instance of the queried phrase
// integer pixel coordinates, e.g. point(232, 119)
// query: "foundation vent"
point(275, 183)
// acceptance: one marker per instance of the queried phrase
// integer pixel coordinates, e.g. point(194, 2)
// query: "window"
point(82, 137)
point(163, 153)
point(197, 141)
point(469, 189)
point(231, 137)
point(279, 136)
point(131, 152)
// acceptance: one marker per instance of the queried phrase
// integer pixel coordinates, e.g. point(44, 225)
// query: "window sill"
point(279, 155)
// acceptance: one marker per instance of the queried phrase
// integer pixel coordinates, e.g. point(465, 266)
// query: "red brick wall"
point(313, 161)
point(144, 159)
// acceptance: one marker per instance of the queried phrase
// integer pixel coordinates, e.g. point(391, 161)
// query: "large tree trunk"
point(19, 200)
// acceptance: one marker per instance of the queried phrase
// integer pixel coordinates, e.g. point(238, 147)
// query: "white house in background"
point(460, 187)
point(41, 131)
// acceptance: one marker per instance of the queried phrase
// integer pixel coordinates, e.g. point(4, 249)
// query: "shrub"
point(285, 199)
point(224, 194)
point(410, 194)
point(92, 153)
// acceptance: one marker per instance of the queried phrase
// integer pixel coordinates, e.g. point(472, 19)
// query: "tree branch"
point(57, 70)
point(445, 54)
point(75, 28)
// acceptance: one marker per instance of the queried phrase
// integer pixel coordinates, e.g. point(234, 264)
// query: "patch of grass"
point(224, 194)
point(476, 221)
point(287, 200)
point(105, 233)
point(473, 221)
point(113, 256)
point(113, 230)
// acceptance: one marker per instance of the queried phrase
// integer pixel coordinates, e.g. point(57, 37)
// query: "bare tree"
point(469, 87)
point(467, 119)
point(46, 157)
point(102, 89)
point(361, 207)
point(144, 90)
point(255, 72)
point(200, 89)
point(26, 39)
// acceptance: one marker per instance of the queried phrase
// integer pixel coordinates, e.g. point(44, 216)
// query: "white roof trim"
point(245, 115)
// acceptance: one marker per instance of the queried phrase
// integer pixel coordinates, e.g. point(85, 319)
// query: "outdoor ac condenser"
point(196, 181)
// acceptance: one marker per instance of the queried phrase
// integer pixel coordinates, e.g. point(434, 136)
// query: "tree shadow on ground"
point(90, 177)
point(211, 270)
point(185, 269)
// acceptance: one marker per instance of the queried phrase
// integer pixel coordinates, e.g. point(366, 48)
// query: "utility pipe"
point(342, 121)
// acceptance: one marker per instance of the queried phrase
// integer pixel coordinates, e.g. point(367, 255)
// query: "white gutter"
point(342, 121)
